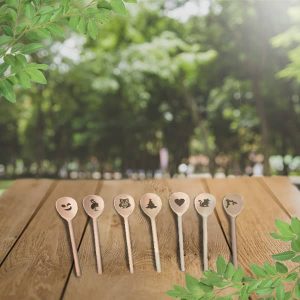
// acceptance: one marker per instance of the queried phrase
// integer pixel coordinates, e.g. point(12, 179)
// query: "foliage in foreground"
point(269, 281)
point(25, 25)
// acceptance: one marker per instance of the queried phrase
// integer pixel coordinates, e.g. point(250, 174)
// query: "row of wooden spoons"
point(151, 205)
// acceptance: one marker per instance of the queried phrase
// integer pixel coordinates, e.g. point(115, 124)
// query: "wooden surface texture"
point(35, 253)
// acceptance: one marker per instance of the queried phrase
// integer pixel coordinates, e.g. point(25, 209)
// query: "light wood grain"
point(22, 200)
point(40, 262)
point(256, 221)
point(145, 283)
point(39, 266)
point(283, 191)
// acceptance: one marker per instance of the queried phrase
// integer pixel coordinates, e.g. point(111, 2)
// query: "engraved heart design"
point(179, 202)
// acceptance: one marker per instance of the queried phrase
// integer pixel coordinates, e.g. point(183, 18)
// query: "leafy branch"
point(26, 24)
point(269, 281)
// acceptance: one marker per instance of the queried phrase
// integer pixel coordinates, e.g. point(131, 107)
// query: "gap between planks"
point(97, 191)
point(273, 196)
point(44, 198)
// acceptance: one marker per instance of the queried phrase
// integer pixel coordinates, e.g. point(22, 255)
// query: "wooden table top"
point(35, 253)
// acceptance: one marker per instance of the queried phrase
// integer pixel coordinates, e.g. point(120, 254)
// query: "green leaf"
point(295, 225)
point(280, 237)
point(118, 6)
point(291, 276)
point(5, 39)
point(38, 34)
point(284, 228)
point(6, 89)
point(229, 271)
point(281, 268)
point(92, 29)
point(29, 11)
point(37, 66)
point(296, 259)
point(104, 4)
point(205, 288)
point(221, 265)
point(297, 290)
point(253, 285)
point(24, 79)
point(287, 295)
point(12, 14)
point(269, 269)
point(264, 291)
point(10, 59)
point(8, 30)
point(81, 25)
point(244, 295)
point(238, 275)
point(190, 281)
point(46, 10)
point(55, 30)
point(73, 22)
point(41, 66)
point(33, 47)
point(21, 59)
point(280, 292)
point(266, 283)
point(284, 255)
point(36, 75)
point(277, 282)
point(130, 1)
point(257, 270)
point(193, 286)
point(296, 245)
point(17, 47)
point(3, 68)
point(179, 292)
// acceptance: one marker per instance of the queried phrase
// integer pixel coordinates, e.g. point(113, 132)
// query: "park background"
point(175, 88)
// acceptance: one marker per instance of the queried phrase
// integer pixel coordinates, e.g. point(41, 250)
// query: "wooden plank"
point(17, 206)
point(116, 281)
point(40, 262)
point(255, 245)
point(283, 191)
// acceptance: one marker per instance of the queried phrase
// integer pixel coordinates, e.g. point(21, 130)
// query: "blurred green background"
point(215, 83)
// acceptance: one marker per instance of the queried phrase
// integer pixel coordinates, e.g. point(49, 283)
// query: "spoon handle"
point(155, 245)
point(74, 249)
point(205, 258)
point(128, 242)
point(97, 246)
point(233, 241)
point(180, 239)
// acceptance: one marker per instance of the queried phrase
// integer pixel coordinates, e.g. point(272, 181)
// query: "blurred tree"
point(205, 86)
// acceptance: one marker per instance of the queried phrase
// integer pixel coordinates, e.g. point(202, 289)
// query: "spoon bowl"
point(66, 207)
point(233, 204)
point(151, 204)
point(205, 204)
point(179, 203)
point(124, 205)
point(93, 205)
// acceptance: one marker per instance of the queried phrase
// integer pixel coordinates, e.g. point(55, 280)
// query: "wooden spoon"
point(124, 205)
point(151, 206)
point(233, 205)
point(179, 203)
point(67, 209)
point(205, 204)
point(93, 206)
